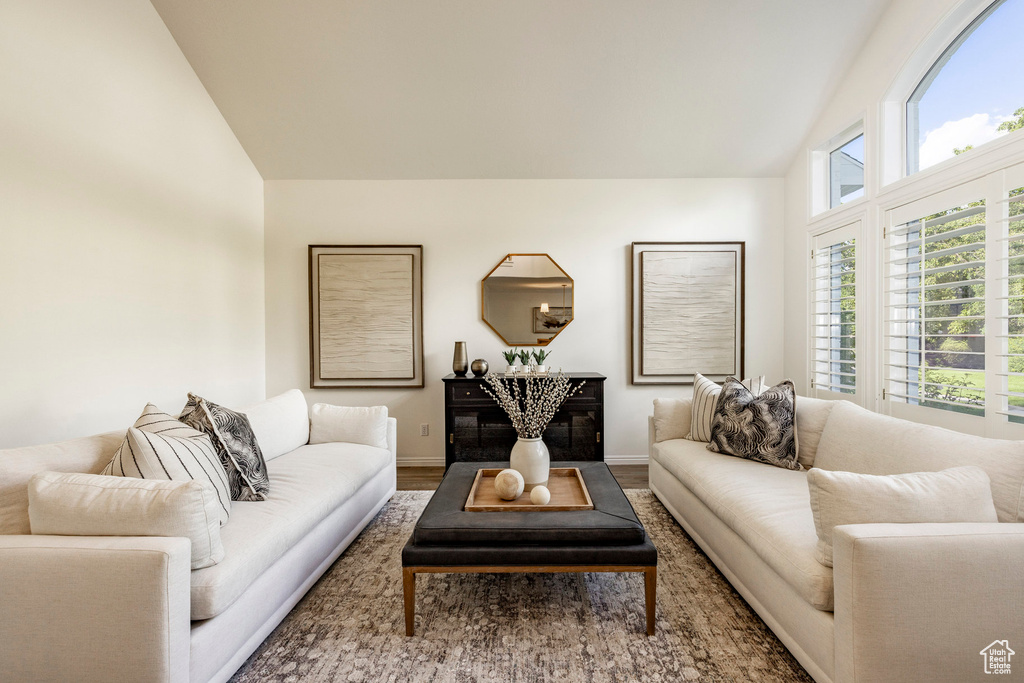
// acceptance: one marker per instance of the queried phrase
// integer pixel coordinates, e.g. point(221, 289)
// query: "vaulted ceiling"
point(389, 89)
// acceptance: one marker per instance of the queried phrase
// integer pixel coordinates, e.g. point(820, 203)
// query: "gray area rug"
point(519, 627)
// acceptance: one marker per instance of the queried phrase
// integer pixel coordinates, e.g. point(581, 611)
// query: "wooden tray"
point(568, 492)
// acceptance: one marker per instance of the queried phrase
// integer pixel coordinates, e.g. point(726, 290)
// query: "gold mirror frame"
point(538, 341)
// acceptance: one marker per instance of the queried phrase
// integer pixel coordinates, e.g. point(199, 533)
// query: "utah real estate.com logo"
point(997, 657)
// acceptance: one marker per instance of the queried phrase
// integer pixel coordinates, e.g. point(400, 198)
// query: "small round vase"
point(479, 367)
point(531, 459)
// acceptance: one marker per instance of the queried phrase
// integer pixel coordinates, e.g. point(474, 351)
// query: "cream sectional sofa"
point(904, 602)
point(109, 609)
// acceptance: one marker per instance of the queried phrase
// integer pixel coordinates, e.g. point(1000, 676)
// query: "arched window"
point(973, 93)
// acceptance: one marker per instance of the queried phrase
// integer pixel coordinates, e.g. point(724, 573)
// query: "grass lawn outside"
point(976, 383)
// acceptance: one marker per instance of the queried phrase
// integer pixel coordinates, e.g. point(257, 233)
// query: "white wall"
point(131, 265)
point(467, 226)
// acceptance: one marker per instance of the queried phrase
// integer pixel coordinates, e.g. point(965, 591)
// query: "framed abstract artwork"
point(365, 316)
point(687, 311)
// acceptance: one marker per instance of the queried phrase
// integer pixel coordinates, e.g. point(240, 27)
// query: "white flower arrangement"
point(531, 408)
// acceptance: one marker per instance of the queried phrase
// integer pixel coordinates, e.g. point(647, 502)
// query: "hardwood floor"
point(427, 478)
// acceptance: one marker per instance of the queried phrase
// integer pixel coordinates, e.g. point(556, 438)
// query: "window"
point(973, 93)
point(846, 172)
point(834, 312)
point(1012, 282)
point(936, 304)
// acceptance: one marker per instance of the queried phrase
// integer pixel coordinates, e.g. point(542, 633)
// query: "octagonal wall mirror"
point(527, 299)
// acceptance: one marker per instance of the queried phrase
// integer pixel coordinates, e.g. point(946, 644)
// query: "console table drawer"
point(467, 391)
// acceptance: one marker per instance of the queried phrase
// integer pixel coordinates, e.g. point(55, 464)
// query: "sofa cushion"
point(281, 423)
point(768, 507)
point(811, 416)
point(858, 440)
point(17, 465)
point(309, 484)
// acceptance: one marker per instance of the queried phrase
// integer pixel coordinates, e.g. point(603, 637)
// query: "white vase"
point(531, 459)
point(511, 369)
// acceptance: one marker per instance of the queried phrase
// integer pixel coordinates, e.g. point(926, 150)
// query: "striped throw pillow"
point(705, 398)
point(158, 446)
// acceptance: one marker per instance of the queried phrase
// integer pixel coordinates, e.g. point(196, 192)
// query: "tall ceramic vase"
point(531, 459)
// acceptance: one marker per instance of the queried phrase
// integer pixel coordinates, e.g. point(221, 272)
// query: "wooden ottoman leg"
point(409, 588)
point(650, 592)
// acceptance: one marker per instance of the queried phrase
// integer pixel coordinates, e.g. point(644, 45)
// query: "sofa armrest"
point(393, 439)
point(85, 608)
point(921, 601)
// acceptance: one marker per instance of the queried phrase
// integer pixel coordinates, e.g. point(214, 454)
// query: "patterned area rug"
point(519, 627)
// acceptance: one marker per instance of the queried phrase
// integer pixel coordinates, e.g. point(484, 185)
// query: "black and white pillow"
point(705, 398)
point(758, 428)
point(158, 446)
point(236, 445)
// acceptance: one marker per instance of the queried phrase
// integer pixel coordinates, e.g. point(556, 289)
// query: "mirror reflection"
point(527, 299)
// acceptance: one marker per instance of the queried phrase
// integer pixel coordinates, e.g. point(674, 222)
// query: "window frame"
point(887, 187)
point(821, 170)
point(994, 187)
point(911, 150)
point(893, 139)
point(845, 230)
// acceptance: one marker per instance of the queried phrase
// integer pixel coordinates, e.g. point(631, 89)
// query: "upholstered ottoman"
point(609, 538)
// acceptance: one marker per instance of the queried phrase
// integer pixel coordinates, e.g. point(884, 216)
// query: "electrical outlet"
point(424, 429)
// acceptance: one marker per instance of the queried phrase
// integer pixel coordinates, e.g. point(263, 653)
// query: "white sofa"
point(903, 602)
point(109, 609)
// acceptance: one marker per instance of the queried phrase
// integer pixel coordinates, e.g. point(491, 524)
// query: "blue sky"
point(855, 148)
point(985, 76)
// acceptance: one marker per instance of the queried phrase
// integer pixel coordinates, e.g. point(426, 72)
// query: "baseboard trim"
point(627, 459)
point(419, 460)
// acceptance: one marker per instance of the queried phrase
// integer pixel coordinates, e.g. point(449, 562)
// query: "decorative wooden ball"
point(540, 495)
point(509, 484)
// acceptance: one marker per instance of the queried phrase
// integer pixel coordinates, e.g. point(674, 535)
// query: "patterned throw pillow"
point(158, 446)
point(705, 397)
point(758, 428)
point(236, 445)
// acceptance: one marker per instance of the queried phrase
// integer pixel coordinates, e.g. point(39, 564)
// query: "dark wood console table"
point(477, 430)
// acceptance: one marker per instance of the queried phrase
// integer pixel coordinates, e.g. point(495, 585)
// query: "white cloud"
point(974, 130)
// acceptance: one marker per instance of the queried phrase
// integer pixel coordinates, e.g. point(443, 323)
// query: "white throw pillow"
point(281, 423)
point(672, 418)
point(158, 446)
point(959, 494)
point(368, 426)
point(64, 504)
point(858, 440)
point(705, 397)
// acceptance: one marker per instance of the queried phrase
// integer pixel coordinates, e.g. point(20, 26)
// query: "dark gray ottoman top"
point(612, 521)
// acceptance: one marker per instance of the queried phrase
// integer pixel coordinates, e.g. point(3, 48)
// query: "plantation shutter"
point(834, 312)
point(1011, 299)
point(935, 251)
